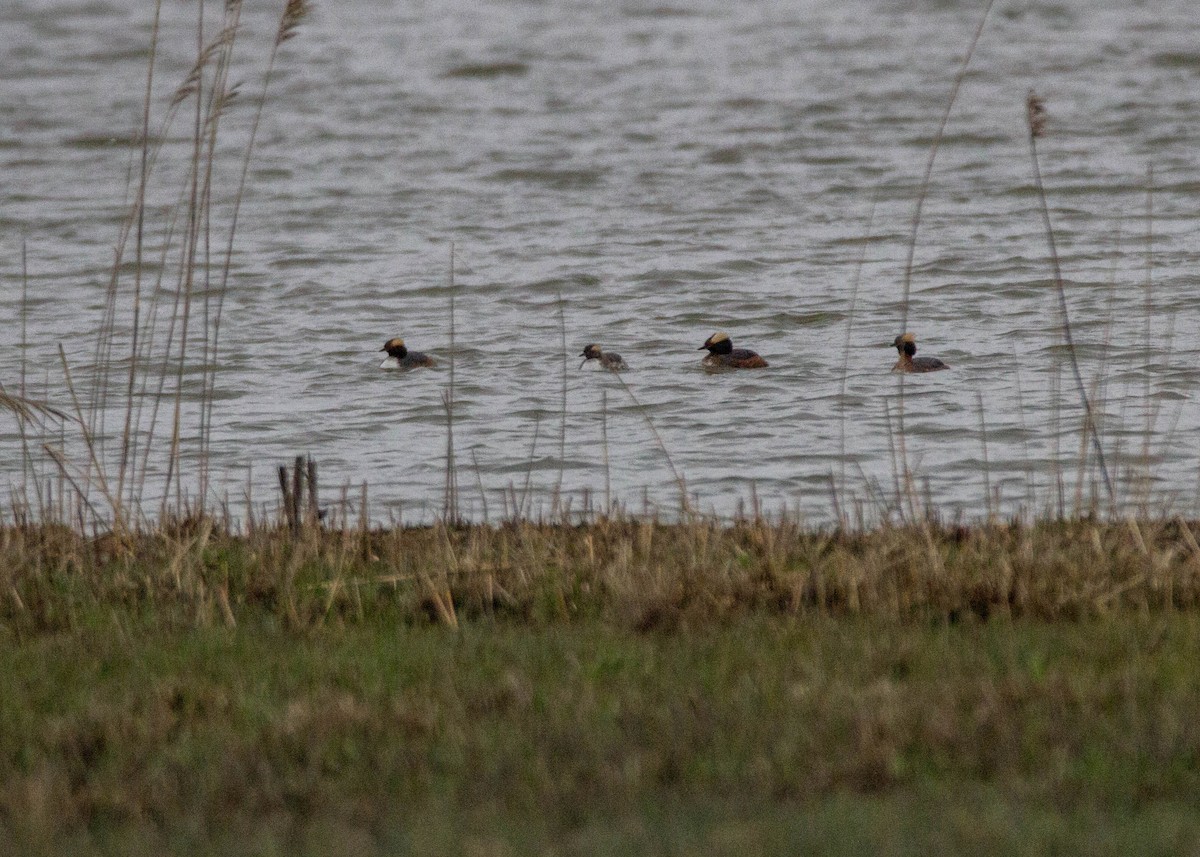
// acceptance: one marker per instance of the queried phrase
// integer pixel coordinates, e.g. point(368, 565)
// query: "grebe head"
point(610, 360)
point(906, 343)
point(395, 348)
point(718, 343)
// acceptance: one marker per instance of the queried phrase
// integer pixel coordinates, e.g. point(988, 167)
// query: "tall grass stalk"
point(526, 490)
point(139, 246)
point(923, 189)
point(221, 95)
point(1035, 114)
point(1149, 307)
point(20, 406)
point(94, 466)
point(685, 505)
point(987, 468)
point(158, 360)
point(1030, 479)
point(608, 508)
point(187, 273)
point(293, 15)
point(450, 503)
point(562, 408)
point(1152, 408)
point(855, 281)
point(482, 491)
point(897, 493)
point(918, 207)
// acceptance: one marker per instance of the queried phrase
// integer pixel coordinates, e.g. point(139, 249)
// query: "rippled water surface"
point(665, 170)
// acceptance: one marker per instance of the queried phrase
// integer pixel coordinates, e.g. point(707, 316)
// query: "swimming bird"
point(399, 357)
point(722, 354)
point(611, 360)
point(906, 345)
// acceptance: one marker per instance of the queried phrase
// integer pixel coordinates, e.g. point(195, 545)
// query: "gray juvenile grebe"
point(906, 345)
point(722, 354)
point(399, 357)
point(611, 361)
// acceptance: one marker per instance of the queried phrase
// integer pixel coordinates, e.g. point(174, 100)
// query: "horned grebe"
point(722, 354)
point(399, 357)
point(906, 345)
point(611, 361)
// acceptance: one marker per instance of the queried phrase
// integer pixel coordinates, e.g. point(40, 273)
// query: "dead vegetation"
point(634, 573)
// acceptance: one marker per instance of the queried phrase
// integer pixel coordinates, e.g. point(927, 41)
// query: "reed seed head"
point(293, 14)
point(1035, 114)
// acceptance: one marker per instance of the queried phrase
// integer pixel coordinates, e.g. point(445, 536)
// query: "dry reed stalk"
point(520, 509)
point(1056, 454)
point(139, 245)
point(209, 110)
point(192, 231)
point(27, 410)
point(562, 432)
point(1148, 307)
point(907, 475)
point(1035, 114)
point(27, 466)
point(289, 489)
point(119, 526)
point(450, 504)
point(479, 482)
point(65, 477)
point(1153, 407)
point(440, 592)
point(213, 98)
point(1030, 478)
point(923, 190)
point(364, 521)
point(293, 14)
point(987, 478)
point(134, 222)
point(313, 515)
point(604, 448)
point(221, 95)
point(297, 495)
point(162, 371)
point(685, 505)
point(855, 281)
point(1082, 473)
point(1099, 383)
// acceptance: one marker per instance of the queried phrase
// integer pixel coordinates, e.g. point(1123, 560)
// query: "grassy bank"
point(631, 574)
point(584, 738)
point(597, 689)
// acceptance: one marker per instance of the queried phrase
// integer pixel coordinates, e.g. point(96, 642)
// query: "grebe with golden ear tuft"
point(906, 345)
point(722, 354)
point(399, 357)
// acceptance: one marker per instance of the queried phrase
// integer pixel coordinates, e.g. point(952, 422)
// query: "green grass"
point(757, 734)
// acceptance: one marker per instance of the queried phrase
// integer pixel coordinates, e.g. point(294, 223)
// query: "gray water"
point(669, 170)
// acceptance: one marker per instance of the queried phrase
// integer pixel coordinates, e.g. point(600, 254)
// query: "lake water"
point(665, 170)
